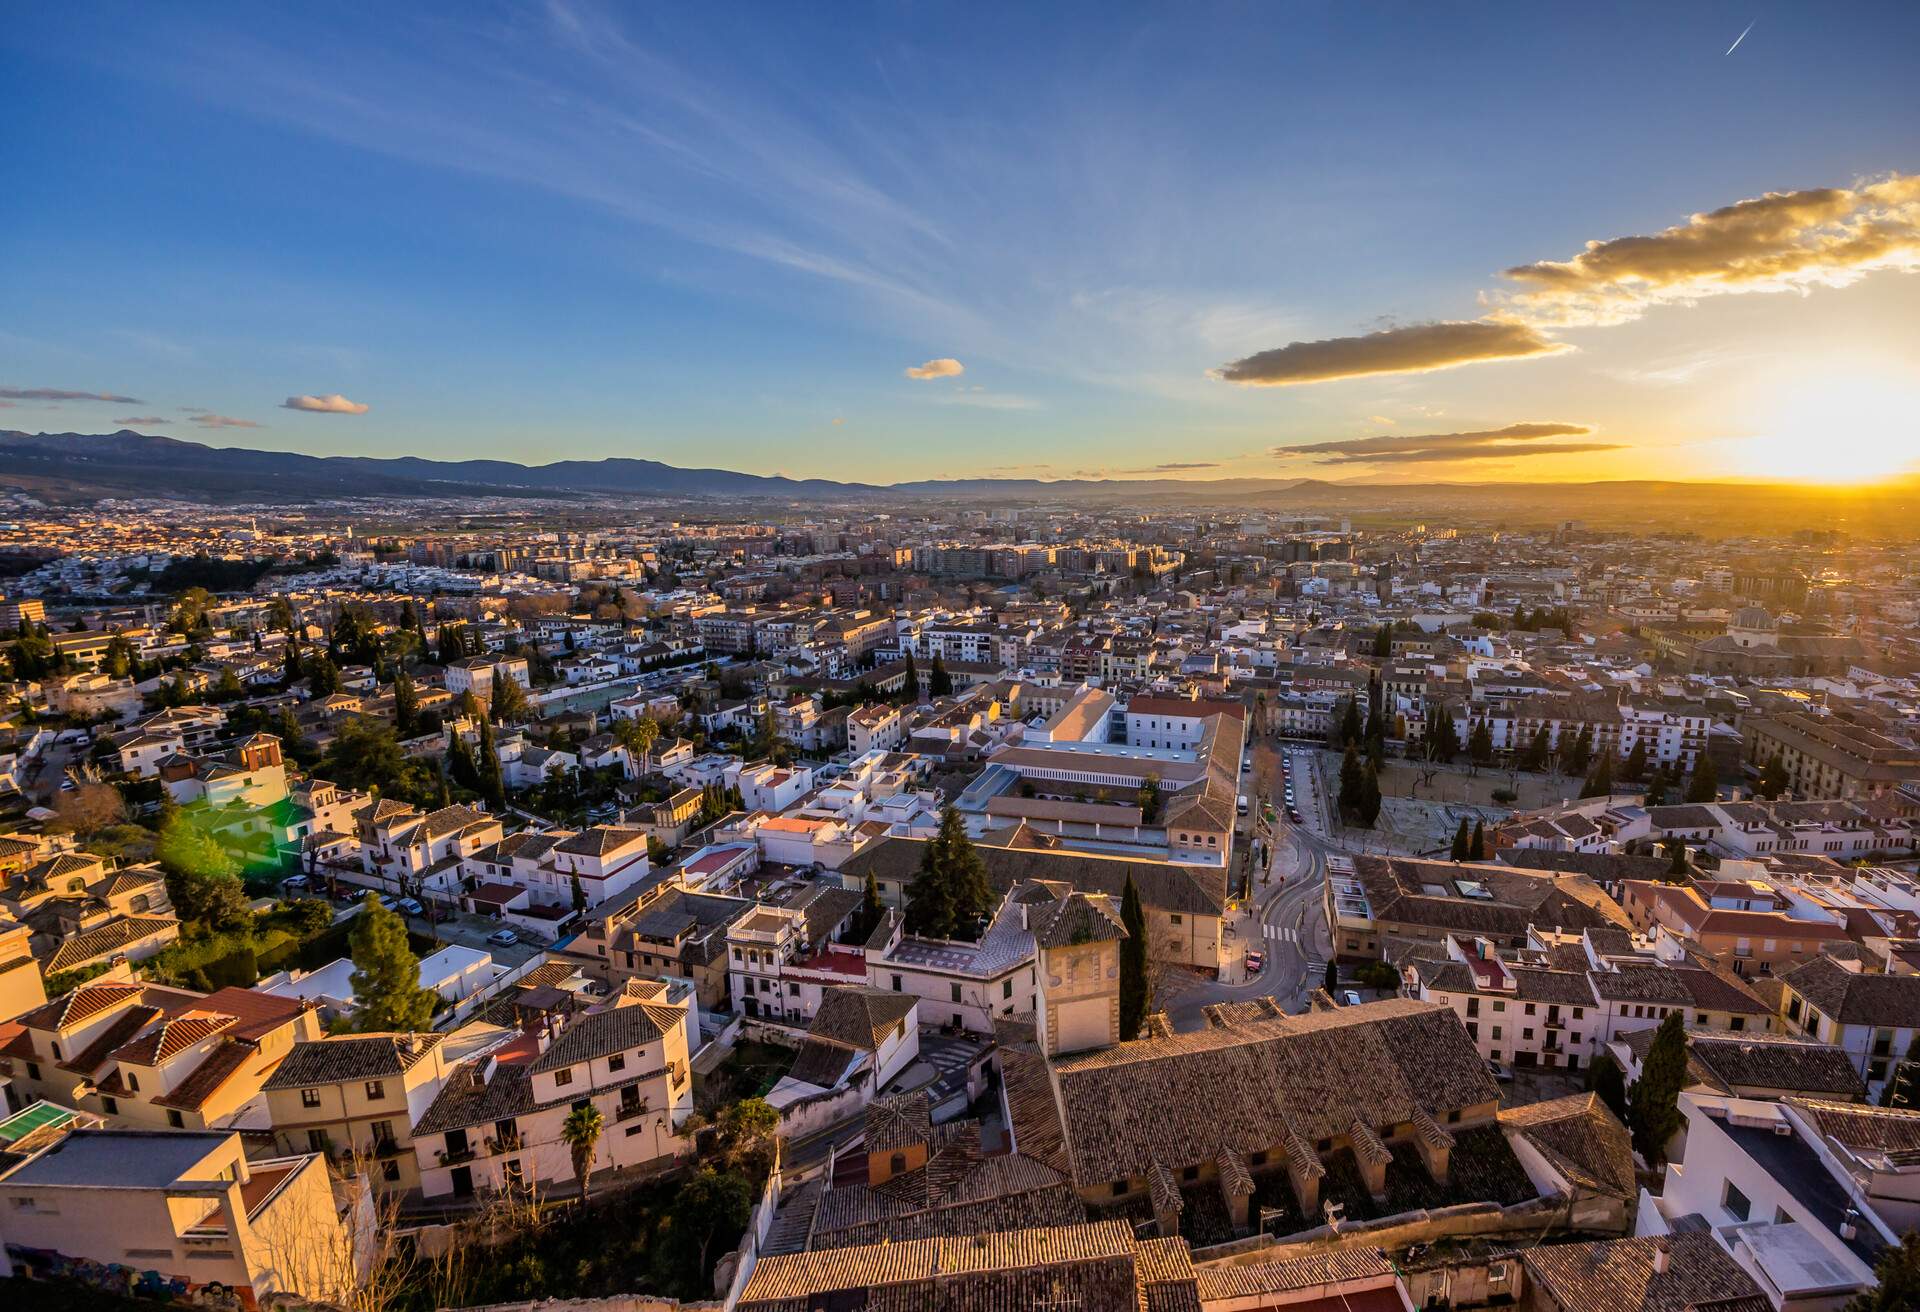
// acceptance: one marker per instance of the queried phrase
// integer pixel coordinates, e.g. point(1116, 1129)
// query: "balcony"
point(505, 1143)
point(627, 1111)
point(455, 1156)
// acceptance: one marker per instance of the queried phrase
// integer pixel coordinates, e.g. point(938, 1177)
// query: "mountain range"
point(80, 468)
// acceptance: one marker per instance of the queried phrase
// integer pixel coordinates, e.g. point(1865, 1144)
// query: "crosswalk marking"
point(1282, 933)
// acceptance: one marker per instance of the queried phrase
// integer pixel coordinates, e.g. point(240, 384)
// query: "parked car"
point(1256, 961)
point(503, 938)
point(409, 906)
point(294, 883)
point(1350, 998)
point(1501, 1073)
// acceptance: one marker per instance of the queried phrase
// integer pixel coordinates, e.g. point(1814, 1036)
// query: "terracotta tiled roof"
point(1582, 1139)
point(1618, 1275)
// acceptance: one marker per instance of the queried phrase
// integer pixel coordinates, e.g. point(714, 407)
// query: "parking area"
point(471, 931)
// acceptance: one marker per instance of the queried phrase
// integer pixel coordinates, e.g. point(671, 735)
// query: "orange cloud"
point(331, 404)
point(1416, 349)
point(945, 367)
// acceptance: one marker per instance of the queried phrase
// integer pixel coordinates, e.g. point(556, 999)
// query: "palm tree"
point(581, 1134)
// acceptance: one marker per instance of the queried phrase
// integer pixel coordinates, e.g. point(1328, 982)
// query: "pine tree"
point(1135, 987)
point(1705, 784)
point(386, 974)
point(973, 898)
point(1477, 845)
point(1653, 1100)
point(1462, 841)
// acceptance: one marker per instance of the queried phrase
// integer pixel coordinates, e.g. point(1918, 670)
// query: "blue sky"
point(721, 235)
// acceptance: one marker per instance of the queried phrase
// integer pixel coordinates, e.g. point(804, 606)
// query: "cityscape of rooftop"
point(1224, 658)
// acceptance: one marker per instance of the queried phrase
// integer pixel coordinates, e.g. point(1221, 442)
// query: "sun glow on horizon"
point(1845, 426)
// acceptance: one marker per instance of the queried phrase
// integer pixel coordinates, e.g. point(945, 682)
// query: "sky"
point(897, 241)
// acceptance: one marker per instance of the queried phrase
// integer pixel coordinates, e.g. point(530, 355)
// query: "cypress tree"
point(1477, 845)
point(1461, 841)
point(1606, 1078)
point(930, 903)
point(1135, 988)
point(1705, 785)
point(1636, 767)
point(492, 782)
point(1653, 1100)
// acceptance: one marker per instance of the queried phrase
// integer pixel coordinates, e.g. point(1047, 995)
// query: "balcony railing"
point(627, 1111)
point(504, 1143)
point(454, 1156)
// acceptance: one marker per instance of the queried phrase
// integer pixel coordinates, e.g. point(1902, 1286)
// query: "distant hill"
point(81, 468)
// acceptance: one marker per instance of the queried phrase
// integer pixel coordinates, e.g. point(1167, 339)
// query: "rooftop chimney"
point(1662, 1255)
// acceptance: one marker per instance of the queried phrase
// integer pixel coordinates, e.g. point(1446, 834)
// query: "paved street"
point(1285, 918)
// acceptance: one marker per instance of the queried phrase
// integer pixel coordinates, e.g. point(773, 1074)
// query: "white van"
point(1243, 804)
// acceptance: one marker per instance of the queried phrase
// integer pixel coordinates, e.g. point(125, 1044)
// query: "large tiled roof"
point(1851, 998)
point(1075, 919)
point(1403, 889)
point(1862, 1128)
point(355, 1057)
point(603, 1033)
point(859, 1015)
point(1763, 1061)
point(1617, 1275)
point(1254, 1082)
point(990, 1271)
point(110, 937)
point(1581, 1139)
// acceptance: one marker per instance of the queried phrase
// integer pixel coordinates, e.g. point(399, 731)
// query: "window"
point(1473, 1006)
point(1119, 1188)
point(1529, 1009)
point(33, 1070)
point(1006, 988)
point(1496, 1032)
point(793, 989)
point(110, 1105)
point(563, 1077)
point(382, 1132)
point(133, 1081)
point(176, 1121)
point(617, 1062)
point(1736, 1203)
point(896, 983)
point(376, 1090)
point(956, 992)
point(1499, 1005)
point(1175, 918)
point(1189, 1173)
point(390, 1169)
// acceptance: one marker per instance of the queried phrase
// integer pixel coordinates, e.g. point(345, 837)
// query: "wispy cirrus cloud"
point(1433, 448)
point(1414, 349)
point(331, 404)
point(1173, 467)
point(945, 367)
point(140, 419)
point(1779, 242)
point(61, 394)
point(208, 419)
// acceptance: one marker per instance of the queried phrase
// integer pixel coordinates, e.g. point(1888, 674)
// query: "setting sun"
point(1842, 426)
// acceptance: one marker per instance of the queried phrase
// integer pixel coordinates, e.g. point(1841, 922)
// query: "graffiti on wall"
point(131, 1281)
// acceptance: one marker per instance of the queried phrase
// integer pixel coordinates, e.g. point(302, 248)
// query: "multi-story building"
point(1830, 758)
point(185, 1216)
point(496, 1123)
point(358, 1095)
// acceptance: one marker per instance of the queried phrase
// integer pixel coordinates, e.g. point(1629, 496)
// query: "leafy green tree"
point(323, 676)
point(1136, 989)
point(365, 754)
point(1896, 1279)
point(711, 1205)
point(202, 879)
point(386, 974)
point(1150, 799)
point(1705, 784)
point(637, 734)
point(280, 614)
point(581, 1133)
point(1653, 1100)
point(747, 1131)
point(1606, 1078)
point(190, 612)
